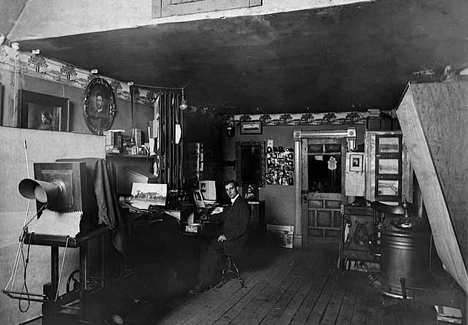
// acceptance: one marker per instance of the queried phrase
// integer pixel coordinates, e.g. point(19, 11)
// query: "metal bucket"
point(406, 262)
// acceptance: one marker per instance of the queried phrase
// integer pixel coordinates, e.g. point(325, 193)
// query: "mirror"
point(250, 162)
point(43, 112)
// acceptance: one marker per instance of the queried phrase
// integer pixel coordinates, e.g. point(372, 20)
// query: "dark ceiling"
point(346, 58)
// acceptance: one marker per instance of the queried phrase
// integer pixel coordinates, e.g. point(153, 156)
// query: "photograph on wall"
point(389, 145)
point(99, 106)
point(43, 112)
point(280, 166)
point(44, 118)
point(388, 166)
point(250, 192)
point(251, 127)
point(356, 161)
point(387, 187)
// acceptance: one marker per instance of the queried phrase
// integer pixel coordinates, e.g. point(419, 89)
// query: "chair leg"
point(227, 267)
point(238, 275)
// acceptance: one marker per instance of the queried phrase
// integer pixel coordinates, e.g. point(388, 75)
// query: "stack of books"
point(113, 141)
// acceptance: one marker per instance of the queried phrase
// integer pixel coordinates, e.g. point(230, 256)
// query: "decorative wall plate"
point(99, 106)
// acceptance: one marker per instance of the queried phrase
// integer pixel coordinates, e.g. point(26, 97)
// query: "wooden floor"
point(283, 286)
point(298, 287)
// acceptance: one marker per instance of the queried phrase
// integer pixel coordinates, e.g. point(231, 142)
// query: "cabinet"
point(389, 175)
point(360, 236)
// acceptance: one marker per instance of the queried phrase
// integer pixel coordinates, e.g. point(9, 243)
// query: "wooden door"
point(323, 189)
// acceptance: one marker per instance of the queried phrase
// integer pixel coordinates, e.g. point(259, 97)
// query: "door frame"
point(299, 163)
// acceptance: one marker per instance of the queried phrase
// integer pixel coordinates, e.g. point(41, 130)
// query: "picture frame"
point(99, 106)
point(250, 191)
point(388, 145)
point(388, 188)
point(43, 112)
point(356, 162)
point(388, 166)
point(251, 127)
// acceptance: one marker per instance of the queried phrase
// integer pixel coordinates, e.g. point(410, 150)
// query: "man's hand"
point(222, 238)
point(217, 210)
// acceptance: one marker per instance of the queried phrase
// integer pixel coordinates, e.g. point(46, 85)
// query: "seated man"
point(233, 238)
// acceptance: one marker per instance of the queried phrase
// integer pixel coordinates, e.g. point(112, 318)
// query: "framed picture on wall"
point(388, 187)
point(390, 144)
point(356, 161)
point(250, 192)
point(251, 127)
point(388, 166)
point(43, 112)
point(99, 106)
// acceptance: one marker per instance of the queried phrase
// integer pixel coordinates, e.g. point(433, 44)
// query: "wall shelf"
point(127, 156)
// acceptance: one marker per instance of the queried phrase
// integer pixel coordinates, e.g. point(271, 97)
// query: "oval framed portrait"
point(99, 106)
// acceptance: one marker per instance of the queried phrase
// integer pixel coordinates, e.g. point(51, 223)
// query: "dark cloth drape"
point(106, 202)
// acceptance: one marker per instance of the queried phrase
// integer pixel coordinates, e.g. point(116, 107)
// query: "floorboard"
point(334, 305)
point(345, 315)
point(283, 301)
point(323, 300)
point(299, 297)
point(310, 300)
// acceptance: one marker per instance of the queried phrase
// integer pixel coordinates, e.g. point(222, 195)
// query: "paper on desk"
point(217, 210)
point(142, 205)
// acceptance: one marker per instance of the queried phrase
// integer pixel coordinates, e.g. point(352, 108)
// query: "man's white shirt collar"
point(234, 199)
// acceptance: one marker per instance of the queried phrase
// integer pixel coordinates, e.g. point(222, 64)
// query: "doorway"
point(320, 161)
point(322, 175)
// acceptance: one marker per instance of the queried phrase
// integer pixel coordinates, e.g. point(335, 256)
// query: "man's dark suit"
point(235, 220)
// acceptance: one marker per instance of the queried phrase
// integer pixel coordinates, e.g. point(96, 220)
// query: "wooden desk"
point(134, 215)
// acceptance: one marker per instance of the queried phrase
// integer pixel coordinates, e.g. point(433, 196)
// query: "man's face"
point(231, 190)
point(99, 103)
